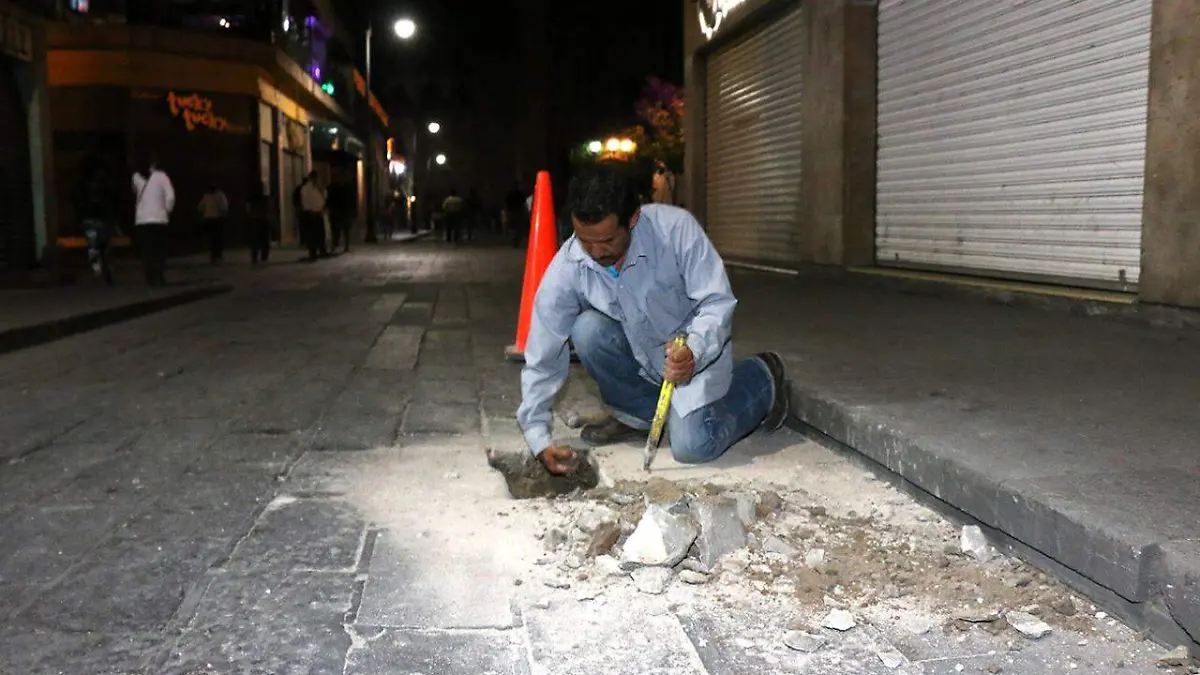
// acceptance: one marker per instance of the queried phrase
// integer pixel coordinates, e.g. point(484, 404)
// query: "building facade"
point(1037, 141)
point(224, 100)
point(25, 189)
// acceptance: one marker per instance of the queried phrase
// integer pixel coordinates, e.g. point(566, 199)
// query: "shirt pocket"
point(665, 304)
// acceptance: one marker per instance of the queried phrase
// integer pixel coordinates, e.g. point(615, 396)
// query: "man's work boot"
point(610, 432)
point(781, 407)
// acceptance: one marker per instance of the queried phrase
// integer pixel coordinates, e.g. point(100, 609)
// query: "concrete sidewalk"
point(1074, 437)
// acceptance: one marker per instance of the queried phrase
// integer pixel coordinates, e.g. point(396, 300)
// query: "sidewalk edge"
point(33, 335)
point(1151, 589)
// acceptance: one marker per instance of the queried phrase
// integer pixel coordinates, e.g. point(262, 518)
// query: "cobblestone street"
point(291, 479)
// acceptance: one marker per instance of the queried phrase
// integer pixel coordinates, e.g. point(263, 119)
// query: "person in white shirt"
point(312, 216)
point(214, 209)
point(154, 199)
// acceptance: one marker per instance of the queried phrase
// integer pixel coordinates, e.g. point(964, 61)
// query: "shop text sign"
point(712, 14)
point(16, 38)
point(196, 111)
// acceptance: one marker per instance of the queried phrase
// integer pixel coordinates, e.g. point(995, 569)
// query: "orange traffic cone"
point(543, 244)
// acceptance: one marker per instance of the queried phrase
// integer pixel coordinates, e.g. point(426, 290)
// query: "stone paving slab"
point(265, 623)
point(603, 639)
point(397, 652)
point(411, 586)
point(302, 534)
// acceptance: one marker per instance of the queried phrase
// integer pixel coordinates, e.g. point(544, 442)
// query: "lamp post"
point(405, 29)
point(433, 128)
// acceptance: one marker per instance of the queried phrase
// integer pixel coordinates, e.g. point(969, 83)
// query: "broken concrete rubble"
point(721, 529)
point(1028, 625)
point(595, 518)
point(660, 539)
point(652, 580)
point(1175, 658)
point(779, 547)
point(975, 545)
point(839, 620)
point(803, 642)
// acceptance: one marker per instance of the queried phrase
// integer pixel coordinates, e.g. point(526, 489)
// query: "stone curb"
point(1151, 585)
point(24, 337)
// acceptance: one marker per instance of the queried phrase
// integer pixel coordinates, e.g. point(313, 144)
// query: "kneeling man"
point(629, 280)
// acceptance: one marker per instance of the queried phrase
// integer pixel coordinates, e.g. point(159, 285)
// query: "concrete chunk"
point(652, 580)
point(660, 539)
point(1028, 625)
point(721, 529)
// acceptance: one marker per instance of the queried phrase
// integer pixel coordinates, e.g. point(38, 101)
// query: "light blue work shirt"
point(673, 282)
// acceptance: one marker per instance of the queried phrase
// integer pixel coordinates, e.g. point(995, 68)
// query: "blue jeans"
point(700, 436)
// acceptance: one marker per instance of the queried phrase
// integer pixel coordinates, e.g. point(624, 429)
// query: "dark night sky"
point(600, 54)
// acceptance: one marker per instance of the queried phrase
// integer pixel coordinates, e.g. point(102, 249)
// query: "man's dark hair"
point(599, 190)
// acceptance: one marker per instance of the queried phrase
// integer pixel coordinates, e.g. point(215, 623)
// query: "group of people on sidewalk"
point(98, 206)
point(315, 205)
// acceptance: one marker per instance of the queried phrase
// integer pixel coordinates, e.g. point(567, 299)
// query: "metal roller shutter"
point(752, 134)
point(1012, 137)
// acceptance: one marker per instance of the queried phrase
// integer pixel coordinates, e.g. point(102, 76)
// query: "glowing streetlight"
point(612, 144)
point(434, 127)
point(405, 29)
point(627, 145)
point(440, 159)
point(595, 147)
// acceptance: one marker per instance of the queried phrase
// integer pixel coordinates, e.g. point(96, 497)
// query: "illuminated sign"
point(197, 112)
point(712, 14)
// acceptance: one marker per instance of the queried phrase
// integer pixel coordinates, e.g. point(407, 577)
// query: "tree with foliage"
point(661, 110)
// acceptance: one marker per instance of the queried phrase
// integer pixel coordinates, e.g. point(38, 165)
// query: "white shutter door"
point(752, 136)
point(1012, 137)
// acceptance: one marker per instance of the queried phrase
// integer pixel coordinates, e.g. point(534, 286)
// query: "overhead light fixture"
point(434, 127)
point(595, 147)
point(440, 159)
point(405, 29)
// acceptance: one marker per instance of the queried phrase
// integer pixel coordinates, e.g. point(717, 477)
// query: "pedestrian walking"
point(313, 205)
point(214, 211)
point(454, 208)
point(154, 200)
point(342, 211)
point(258, 220)
point(96, 208)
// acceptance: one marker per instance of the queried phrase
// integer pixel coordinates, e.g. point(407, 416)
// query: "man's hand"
point(559, 459)
point(681, 364)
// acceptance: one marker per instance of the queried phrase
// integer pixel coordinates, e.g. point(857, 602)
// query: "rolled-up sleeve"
point(708, 286)
point(547, 357)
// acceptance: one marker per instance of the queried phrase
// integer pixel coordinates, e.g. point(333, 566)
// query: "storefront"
point(294, 162)
point(1012, 138)
point(752, 87)
point(19, 136)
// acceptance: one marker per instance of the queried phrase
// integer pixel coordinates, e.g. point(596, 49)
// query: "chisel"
point(660, 413)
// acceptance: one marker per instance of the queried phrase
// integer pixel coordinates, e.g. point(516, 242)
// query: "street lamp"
point(440, 159)
point(595, 147)
point(433, 128)
point(405, 29)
